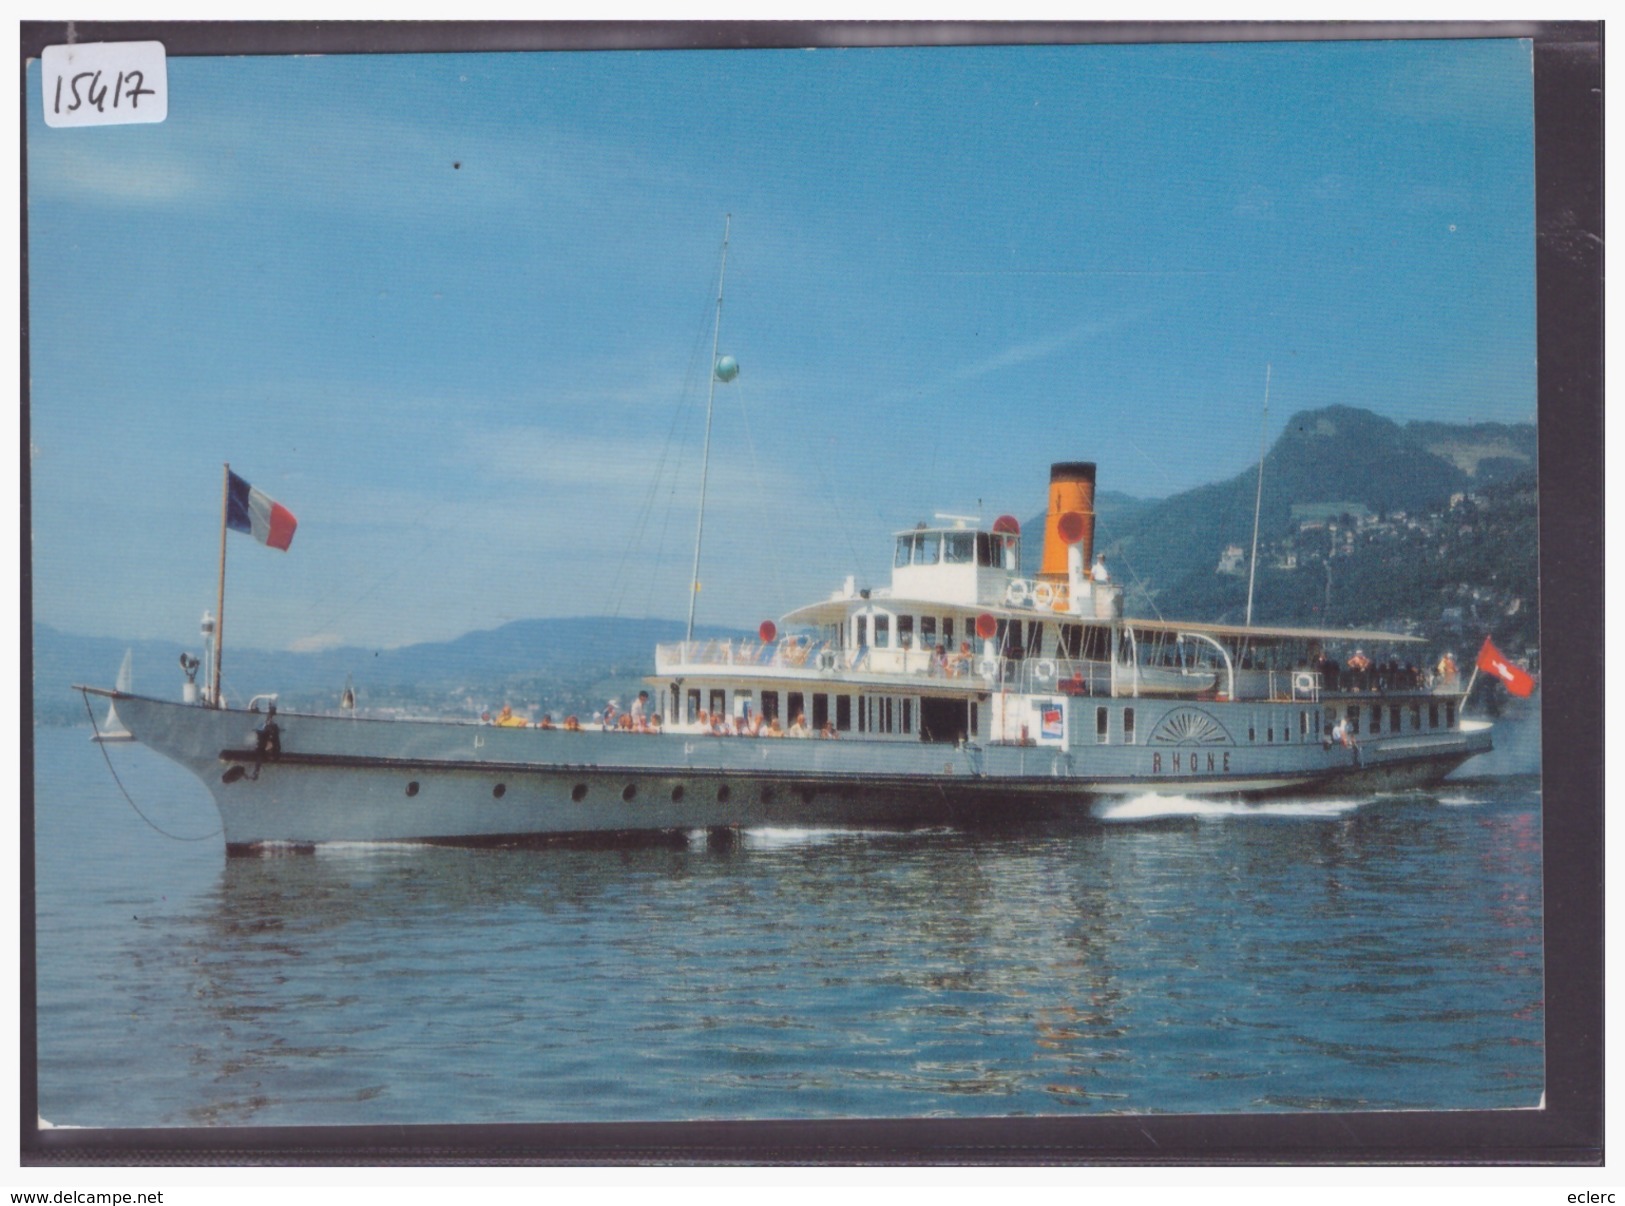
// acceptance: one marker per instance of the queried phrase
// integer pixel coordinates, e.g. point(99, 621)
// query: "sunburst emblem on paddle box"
point(1190, 726)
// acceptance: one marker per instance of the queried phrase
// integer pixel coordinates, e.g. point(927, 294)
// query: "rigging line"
point(620, 581)
point(775, 557)
point(840, 521)
point(125, 793)
point(688, 402)
point(1139, 582)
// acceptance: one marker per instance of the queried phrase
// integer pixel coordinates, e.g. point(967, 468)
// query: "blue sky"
point(455, 311)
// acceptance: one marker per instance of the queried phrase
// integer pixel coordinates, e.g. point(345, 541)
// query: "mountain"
point(1336, 456)
point(566, 664)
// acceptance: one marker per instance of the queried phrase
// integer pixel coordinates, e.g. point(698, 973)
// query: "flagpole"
point(220, 602)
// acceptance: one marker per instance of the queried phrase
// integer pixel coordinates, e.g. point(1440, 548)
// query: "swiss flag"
point(1491, 661)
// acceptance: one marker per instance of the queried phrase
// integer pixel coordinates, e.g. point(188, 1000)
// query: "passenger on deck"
point(607, 721)
point(1448, 673)
point(828, 731)
point(546, 722)
point(798, 727)
point(508, 720)
point(1360, 668)
point(719, 725)
point(1098, 573)
point(774, 729)
point(654, 724)
point(572, 724)
point(960, 662)
point(640, 708)
point(939, 660)
point(755, 726)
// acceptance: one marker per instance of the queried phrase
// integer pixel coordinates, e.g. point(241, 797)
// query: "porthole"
point(723, 793)
point(578, 793)
point(677, 794)
point(629, 792)
point(500, 790)
point(412, 788)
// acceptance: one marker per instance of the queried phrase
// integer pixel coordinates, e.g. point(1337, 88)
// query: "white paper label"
point(105, 83)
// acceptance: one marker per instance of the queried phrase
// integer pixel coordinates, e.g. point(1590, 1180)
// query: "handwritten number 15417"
point(128, 87)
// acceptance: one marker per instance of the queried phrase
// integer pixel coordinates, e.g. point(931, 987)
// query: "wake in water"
point(778, 837)
point(1153, 806)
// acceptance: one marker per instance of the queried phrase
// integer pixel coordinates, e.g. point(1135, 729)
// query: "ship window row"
point(986, 549)
point(1103, 727)
point(1014, 639)
point(783, 706)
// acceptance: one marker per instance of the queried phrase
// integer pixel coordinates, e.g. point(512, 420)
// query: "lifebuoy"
point(1304, 682)
point(1016, 593)
point(987, 667)
point(1044, 670)
point(1043, 594)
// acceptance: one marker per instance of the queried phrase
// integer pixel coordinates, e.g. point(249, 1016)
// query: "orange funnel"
point(1071, 488)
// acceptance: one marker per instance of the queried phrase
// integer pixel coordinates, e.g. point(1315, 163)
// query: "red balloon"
point(986, 626)
point(1071, 526)
point(767, 631)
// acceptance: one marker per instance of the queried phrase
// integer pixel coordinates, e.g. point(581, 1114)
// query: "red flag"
point(1515, 679)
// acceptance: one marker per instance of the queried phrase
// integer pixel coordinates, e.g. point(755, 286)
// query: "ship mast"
point(717, 370)
point(1258, 498)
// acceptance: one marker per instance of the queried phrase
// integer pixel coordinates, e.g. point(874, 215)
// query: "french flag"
point(257, 513)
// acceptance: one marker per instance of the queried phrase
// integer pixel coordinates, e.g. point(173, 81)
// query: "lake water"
point(1179, 956)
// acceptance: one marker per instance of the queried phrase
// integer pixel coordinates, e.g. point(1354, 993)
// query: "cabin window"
point(960, 548)
point(905, 545)
point(984, 549)
point(794, 705)
point(719, 704)
point(1010, 552)
point(1393, 718)
point(905, 631)
point(843, 713)
point(1069, 642)
point(1252, 732)
point(928, 632)
point(1035, 638)
point(1416, 716)
point(1101, 734)
point(1128, 726)
point(1449, 715)
point(693, 713)
point(863, 715)
point(948, 632)
point(1352, 713)
point(882, 632)
point(863, 632)
point(770, 705)
point(908, 716)
point(744, 705)
point(1303, 724)
point(1376, 718)
point(1269, 735)
point(1433, 716)
point(975, 718)
point(820, 716)
point(927, 548)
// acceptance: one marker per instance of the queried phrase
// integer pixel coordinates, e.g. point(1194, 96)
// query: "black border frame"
point(1569, 296)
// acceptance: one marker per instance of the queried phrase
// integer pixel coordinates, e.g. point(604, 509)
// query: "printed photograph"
point(814, 583)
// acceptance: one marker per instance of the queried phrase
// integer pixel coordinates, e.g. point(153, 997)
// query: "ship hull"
point(343, 779)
